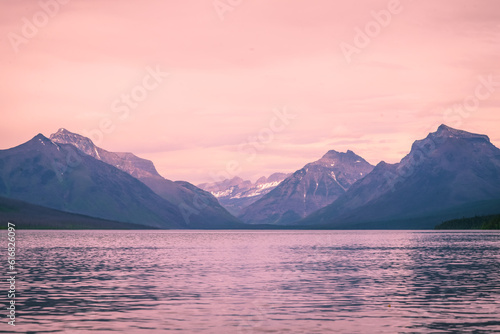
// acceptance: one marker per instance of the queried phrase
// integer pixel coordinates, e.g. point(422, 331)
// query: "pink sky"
point(230, 72)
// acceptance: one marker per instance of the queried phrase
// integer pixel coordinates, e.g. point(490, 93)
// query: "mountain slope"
point(59, 176)
point(443, 174)
point(29, 216)
point(127, 162)
point(235, 194)
point(198, 208)
point(314, 186)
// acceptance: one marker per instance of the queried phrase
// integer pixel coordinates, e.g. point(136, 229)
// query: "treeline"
point(474, 223)
point(28, 216)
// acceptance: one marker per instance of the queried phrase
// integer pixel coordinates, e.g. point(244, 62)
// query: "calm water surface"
point(256, 282)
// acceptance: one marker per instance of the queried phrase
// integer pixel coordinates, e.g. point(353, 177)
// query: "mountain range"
point(235, 194)
point(64, 174)
point(197, 207)
point(447, 175)
point(314, 186)
point(61, 177)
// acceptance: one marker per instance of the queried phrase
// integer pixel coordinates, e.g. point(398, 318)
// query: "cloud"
point(228, 75)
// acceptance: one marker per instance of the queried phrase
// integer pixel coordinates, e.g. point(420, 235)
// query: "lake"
point(256, 282)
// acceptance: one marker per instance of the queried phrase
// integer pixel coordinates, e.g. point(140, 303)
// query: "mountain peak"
point(63, 133)
point(235, 180)
point(128, 162)
point(444, 127)
point(84, 144)
point(39, 141)
point(332, 154)
point(63, 130)
point(261, 180)
point(40, 136)
point(444, 131)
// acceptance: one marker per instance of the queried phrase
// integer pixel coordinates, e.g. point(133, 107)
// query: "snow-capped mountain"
point(127, 162)
point(235, 194)
point(314, 186)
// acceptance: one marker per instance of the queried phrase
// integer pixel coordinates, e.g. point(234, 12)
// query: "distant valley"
point(235, 194)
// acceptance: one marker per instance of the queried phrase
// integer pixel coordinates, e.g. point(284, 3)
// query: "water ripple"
point(257, 282)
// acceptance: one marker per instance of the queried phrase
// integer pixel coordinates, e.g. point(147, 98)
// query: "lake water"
point(256, 282)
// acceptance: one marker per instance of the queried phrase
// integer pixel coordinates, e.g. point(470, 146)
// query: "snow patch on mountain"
point(236, 193)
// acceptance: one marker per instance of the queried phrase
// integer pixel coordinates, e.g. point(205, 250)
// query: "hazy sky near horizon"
point(370, 76)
